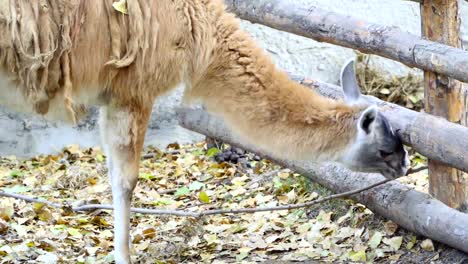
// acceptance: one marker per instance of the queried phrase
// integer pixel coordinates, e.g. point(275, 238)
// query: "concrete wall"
point(23, 135)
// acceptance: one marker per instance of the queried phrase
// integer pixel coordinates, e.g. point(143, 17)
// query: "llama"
point(58, 57)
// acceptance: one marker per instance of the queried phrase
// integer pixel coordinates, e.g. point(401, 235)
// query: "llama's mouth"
point(391, 173)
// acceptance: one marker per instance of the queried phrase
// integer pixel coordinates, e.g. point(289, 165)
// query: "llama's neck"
point(269, 110)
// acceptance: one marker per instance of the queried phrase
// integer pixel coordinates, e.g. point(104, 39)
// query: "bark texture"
point(445, 97)
point(346, 31)
point(411, 209)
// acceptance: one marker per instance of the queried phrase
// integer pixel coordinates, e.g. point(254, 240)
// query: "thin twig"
point(90, 207)
point(168, 191)
point(30, 199)
point(413, 171)
point(292, 206)
point(148, 156)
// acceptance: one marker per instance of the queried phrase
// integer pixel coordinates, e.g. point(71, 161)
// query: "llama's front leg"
point(105, 140)
point(123, 135)
point(123, 180)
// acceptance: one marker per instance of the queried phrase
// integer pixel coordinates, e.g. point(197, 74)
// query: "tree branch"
point(90, 207)
point(30, 199)
point(416, 170)
point(292, 206)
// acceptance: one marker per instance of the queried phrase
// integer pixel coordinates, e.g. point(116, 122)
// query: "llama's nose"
point(403, 171)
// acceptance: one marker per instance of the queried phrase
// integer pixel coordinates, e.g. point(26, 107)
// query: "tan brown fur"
point(132, 59)
point(63, 54)
point(265, 106)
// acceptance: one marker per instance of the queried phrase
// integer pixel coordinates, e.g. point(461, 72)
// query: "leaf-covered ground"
point(190, 178)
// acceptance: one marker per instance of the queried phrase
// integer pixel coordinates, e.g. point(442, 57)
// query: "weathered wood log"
point(445, 97)
point(434, 137)
point(346, 31)
point(410, 209)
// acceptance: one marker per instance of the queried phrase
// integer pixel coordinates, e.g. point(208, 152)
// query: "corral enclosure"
point(24, 135)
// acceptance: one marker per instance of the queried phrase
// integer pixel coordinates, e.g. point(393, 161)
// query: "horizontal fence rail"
point(326, 26)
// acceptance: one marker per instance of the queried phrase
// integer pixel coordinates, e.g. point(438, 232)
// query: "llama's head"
point(377, 147)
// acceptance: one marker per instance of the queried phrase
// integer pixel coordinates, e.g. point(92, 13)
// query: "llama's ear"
point(349, 83)
point(368, 119)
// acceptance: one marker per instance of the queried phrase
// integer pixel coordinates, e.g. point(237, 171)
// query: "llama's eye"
point(384, 154)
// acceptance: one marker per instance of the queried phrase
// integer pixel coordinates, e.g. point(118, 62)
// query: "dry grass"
point(407, 91)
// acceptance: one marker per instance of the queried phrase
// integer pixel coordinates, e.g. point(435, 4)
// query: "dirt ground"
point(194, 178)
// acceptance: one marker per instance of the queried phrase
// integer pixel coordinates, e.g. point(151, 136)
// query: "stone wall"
point(25, 136)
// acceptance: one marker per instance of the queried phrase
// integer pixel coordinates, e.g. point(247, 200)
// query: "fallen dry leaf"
point(427, 245)
point(394, 242)
point(390, 228)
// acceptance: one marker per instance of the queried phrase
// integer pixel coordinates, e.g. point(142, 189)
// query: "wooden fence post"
point(445, 97)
